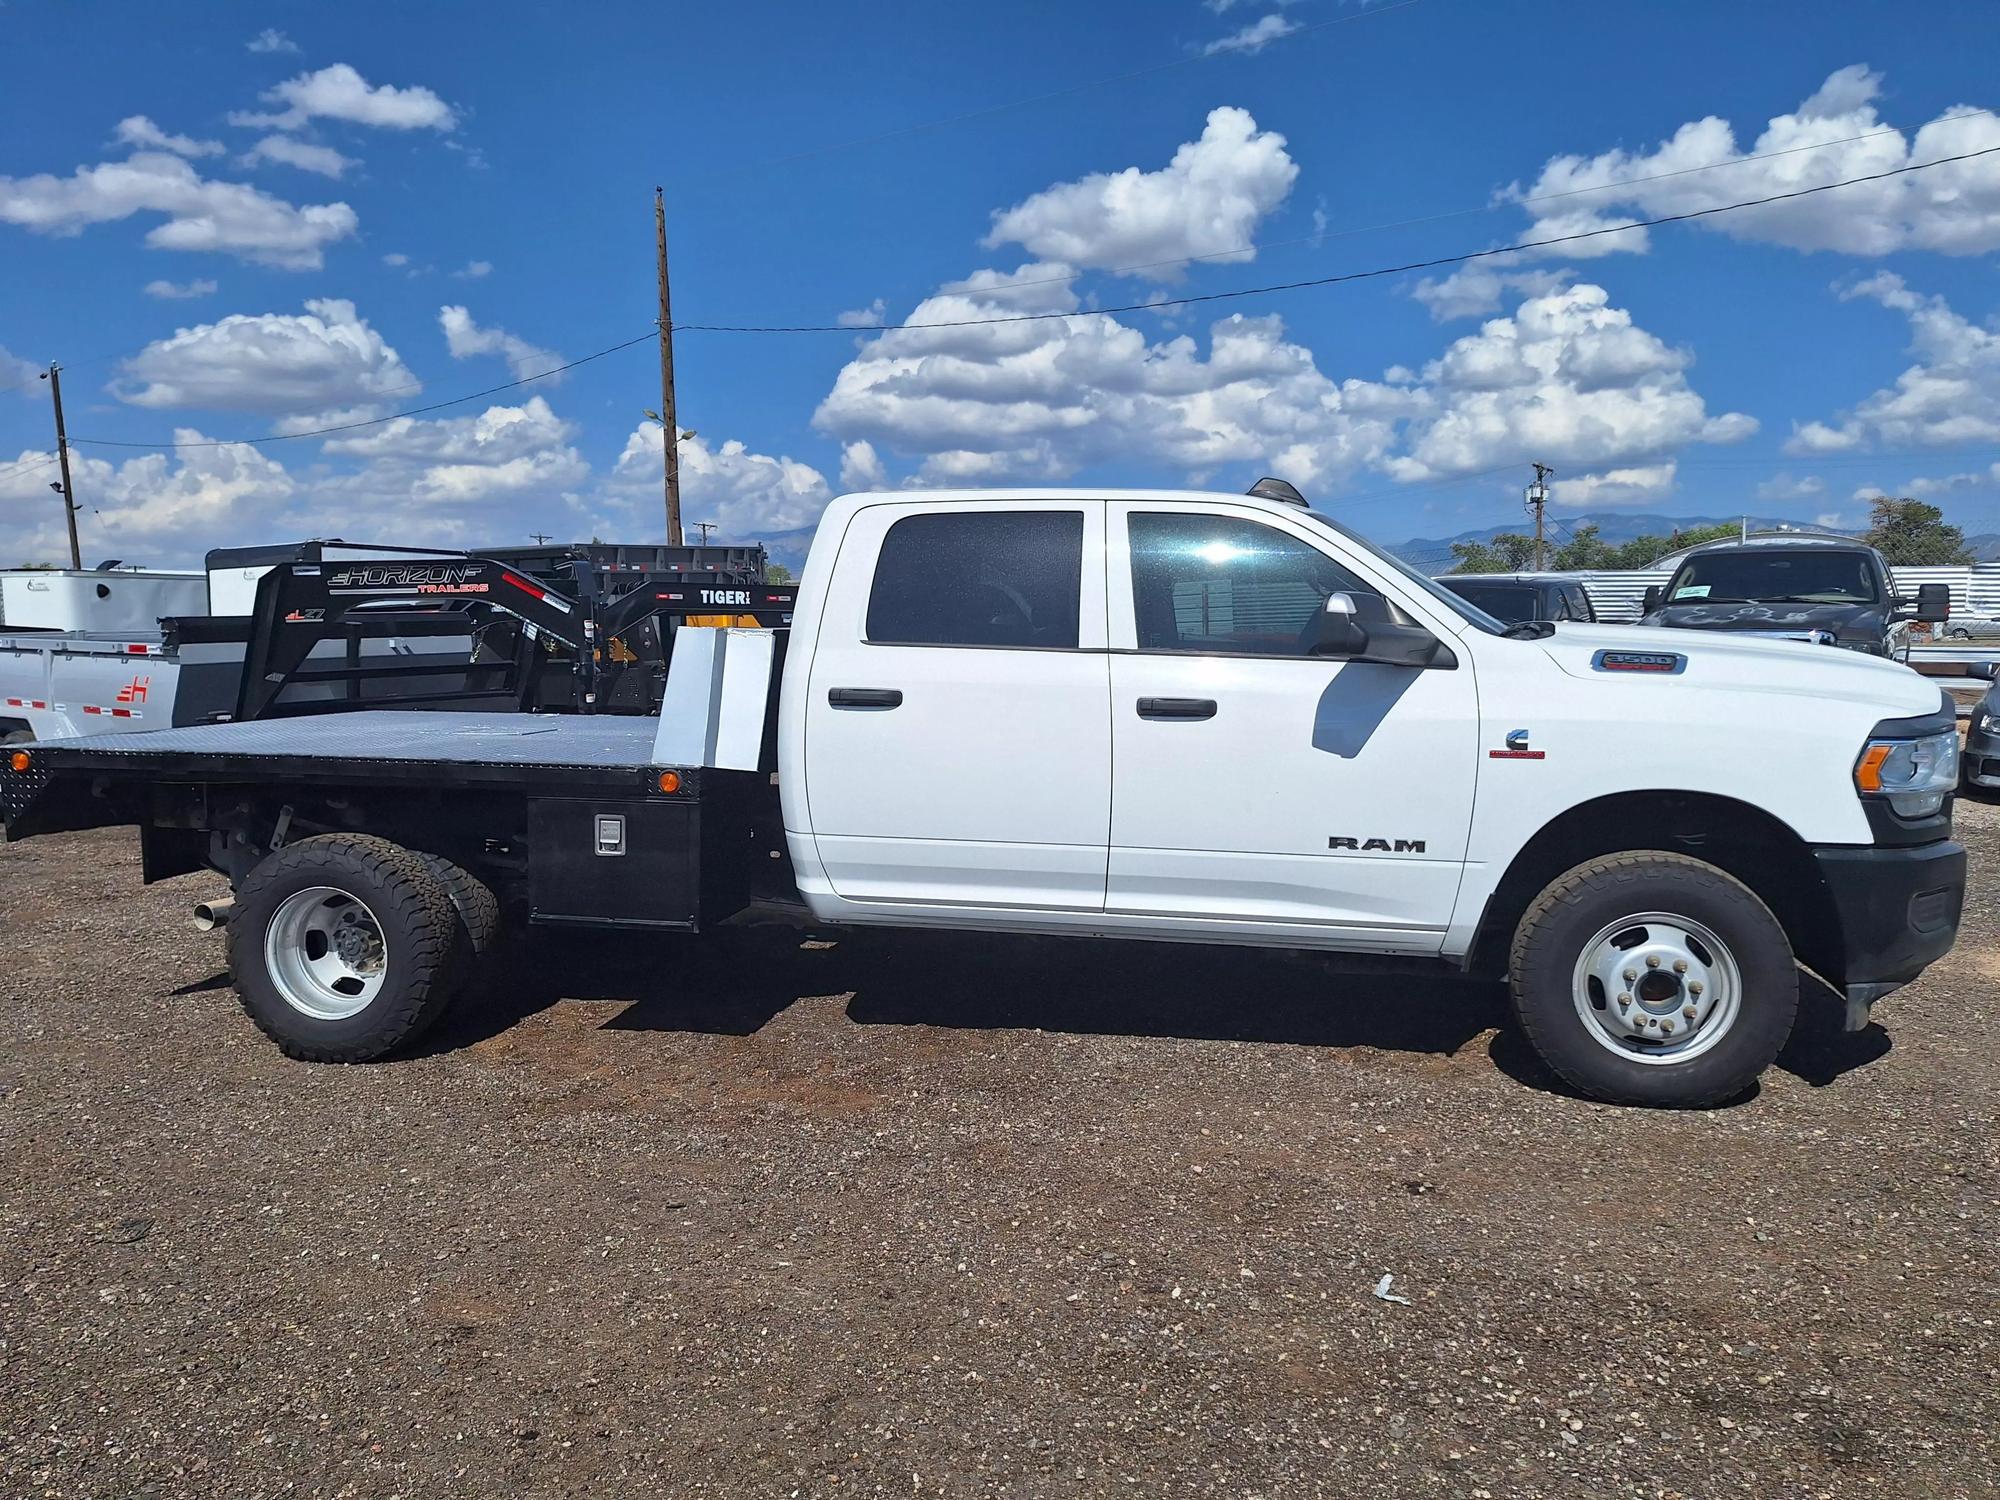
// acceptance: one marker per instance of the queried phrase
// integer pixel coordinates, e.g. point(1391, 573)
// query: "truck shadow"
point(735, 982)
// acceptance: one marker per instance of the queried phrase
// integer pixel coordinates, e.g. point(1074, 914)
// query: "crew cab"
point(1166, 715)
point(1830, 591)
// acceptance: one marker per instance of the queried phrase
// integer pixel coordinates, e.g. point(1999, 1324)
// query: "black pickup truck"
point(1831, 590)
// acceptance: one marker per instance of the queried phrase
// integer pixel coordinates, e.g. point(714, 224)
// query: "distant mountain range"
point(1433, 554)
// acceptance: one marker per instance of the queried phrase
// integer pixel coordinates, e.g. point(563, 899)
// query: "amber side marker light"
point(670, 782)
point(20, 760)
point(1868, 774)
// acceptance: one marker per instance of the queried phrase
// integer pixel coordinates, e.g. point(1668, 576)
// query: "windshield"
point(1504, 601)
point(1464, 609)
point(1815, 577)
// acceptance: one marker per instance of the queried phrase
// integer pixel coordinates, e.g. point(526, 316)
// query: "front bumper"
point(1898, 910)
point(1981, 754)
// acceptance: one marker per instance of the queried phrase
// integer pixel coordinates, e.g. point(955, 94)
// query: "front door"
point(958, 738)
point(1254, 783)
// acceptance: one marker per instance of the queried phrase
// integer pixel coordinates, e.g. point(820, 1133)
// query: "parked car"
point(1184, 717)
point(1969, 628)
point(1514, 597)
point(1833, 591)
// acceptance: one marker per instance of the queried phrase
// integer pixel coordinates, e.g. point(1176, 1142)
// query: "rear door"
point(1254, 783)
point(958, 739)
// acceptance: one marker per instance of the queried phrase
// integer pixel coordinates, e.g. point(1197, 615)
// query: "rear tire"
point(344, 947)
point(1651, 978)
point(478, 927)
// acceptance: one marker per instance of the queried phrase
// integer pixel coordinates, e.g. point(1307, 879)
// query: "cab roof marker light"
point(1276, 489)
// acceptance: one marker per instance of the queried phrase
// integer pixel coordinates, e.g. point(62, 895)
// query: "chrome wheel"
point(325, 954)
point(1657, 988)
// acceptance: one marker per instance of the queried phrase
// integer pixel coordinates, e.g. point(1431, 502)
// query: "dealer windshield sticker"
point(1692, 591)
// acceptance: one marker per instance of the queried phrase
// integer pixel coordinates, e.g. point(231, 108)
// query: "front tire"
point(1652, 978)
point(344, 947)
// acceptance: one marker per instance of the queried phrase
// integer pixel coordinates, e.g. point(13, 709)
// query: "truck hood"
point(1856, 622)
point(1750, 663)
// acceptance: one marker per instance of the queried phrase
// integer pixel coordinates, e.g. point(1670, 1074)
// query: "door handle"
point(865, 697)
point(1176, 708)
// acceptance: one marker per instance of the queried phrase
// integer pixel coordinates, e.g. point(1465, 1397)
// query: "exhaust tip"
point(212, 916)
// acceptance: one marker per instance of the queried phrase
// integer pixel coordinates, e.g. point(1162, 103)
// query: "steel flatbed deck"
point(382, 746)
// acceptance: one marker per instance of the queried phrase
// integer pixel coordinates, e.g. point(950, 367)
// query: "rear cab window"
point(996, 579)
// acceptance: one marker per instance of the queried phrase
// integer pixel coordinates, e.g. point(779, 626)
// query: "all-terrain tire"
point(420, 934)
point(478, 911)
point(1550, 941)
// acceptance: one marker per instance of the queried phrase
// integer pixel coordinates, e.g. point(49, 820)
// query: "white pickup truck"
point(1165, 715)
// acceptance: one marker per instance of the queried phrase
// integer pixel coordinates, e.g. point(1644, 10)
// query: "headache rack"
point(584, 629)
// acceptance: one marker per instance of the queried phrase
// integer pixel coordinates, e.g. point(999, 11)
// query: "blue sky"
point(235, 222)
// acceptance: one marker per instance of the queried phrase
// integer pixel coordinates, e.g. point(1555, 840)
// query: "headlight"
point(1913, 775)
point(1988, 724)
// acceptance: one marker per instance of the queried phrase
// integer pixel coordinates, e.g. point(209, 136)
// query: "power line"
point(1319, 281)
point(1097, 312)
point(1318, 237)
point(35, 463)
point(415, 411)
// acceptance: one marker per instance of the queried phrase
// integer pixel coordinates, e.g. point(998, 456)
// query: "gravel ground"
point(929, 1215)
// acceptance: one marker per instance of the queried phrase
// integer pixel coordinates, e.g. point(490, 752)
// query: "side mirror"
point(1336, 630)
point(1933, 603)
point(1655, 592)
point(1990, 670)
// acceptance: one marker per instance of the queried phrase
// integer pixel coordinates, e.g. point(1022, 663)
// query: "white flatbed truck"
point(1148, 714)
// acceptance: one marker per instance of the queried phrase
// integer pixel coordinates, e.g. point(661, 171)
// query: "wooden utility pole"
point(705, 528)
point(668, 421)
point(1538, 499)
point(53, 375)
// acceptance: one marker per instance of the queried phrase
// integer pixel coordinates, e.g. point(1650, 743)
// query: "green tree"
point(777, 573)
point(1508, 552)
point(1584, 549)
point(1910, 532)
point(1642, 550)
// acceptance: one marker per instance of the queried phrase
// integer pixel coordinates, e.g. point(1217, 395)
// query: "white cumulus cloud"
point(1207, 201)
point(1949, 395)
point(179, 291)
point(294, 365)
point(1953, 209)
point(1791, 487)
point(1642, 484)
point(201, 214)
point(747, 495)
point(304, 155)
point(467, 340)
point(1253, 38)
point(340, 93)
point(142, 134)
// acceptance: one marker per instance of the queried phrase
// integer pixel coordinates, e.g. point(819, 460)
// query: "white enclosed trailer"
point(108, 601)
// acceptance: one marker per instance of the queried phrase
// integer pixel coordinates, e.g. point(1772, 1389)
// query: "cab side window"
point(1221, 585)
point(979, 578)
